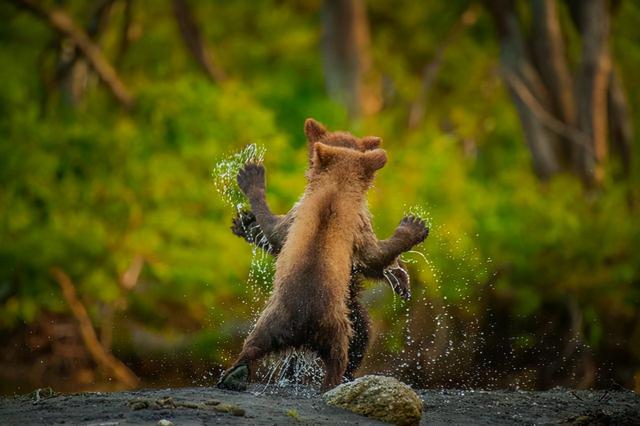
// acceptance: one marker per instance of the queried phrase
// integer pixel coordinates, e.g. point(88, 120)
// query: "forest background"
point(509, 124)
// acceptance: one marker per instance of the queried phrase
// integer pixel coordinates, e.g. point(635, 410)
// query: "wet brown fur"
point(315, 133)
point(309, 305)
point(272, 236)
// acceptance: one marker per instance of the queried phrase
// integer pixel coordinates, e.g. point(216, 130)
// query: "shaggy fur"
point(269, 232)
point(308, 307)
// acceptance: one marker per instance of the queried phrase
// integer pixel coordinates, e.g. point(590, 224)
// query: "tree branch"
point(130, 277)
point(514, 57)
point(63, 24)
point(194, 42)
point(430, 71)
point(124, 31)
point(103, 358)
point(570, 133)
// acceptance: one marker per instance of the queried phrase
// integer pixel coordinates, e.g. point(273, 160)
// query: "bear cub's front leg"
point(252, 183)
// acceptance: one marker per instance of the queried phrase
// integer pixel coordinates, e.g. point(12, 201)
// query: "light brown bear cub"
point(308, 308)
point(372, 258)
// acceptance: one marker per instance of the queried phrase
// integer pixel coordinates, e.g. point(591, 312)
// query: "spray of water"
point(226, 170)
point(294, 371)
point(419, 354)
point(224, 175)
point(423, 336)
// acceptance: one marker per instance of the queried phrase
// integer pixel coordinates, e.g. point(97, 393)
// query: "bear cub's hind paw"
point(235, 379)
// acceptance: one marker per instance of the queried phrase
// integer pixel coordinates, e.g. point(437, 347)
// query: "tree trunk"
point(72, 71)
point(593, 83)
point(543, 144)
point(347, 57)
point(194, 42)
point(620, 123)
point(564, 116)
point(550, 58)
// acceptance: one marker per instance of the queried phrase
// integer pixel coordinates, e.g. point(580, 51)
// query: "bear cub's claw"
point(235, 379)
point(242, 223)
point(399, 279)
point(417, 228)
point(251, 177)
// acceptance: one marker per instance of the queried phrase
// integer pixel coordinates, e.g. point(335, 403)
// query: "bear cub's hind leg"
point(334, 355)
point(359, 341)
point(237, 377)
point(261, 342)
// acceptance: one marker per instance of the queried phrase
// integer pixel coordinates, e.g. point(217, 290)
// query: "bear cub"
point(308, 308)
point(372, 258)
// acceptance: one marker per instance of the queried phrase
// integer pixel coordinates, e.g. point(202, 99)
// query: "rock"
point(164, 422)
point(232, 409)
point(379, 397)
point(138, 404)
point(189, 404)
point(166, 402)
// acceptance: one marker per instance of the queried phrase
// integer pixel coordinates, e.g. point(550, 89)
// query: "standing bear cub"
point(372, 258)
point(308, 308)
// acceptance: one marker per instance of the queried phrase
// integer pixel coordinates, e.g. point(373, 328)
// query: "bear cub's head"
point(348, 168)
point(316, 132)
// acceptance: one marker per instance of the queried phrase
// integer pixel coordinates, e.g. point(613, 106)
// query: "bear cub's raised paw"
point(251, 178)
point(416, 228)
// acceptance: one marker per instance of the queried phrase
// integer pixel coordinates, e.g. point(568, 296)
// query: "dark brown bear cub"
point(308, 308)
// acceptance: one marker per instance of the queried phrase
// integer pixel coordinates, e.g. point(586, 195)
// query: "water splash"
point(436, 331)
point(420, 212)
point(293, 371)
point(420, 355)
point(261, 269)
point(226, 170)
point(427, 340)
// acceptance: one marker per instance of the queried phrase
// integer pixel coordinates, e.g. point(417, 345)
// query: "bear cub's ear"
point(313, 130)
point(324, 154)
point(375, 159)
point(370, 142)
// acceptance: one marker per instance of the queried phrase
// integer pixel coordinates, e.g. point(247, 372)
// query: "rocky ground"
point(212, 406)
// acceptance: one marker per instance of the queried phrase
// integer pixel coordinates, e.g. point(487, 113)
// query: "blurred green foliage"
point(88, 187)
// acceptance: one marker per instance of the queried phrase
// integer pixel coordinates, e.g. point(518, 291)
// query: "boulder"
point(380, 397)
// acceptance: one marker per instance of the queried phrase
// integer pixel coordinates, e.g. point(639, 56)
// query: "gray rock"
point(380, 397)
